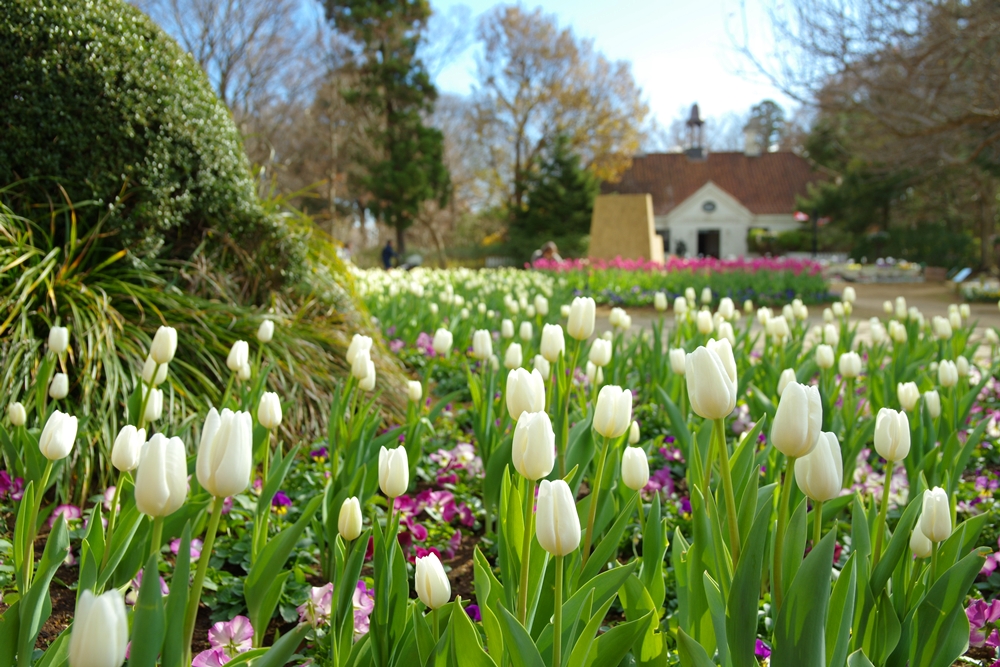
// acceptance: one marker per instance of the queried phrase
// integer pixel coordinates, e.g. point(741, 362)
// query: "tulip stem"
point(934, 564)
point(434, 622)
point(199, 577)
point(522, 603)
point(113, 516)
point(779, 536)
point(818, 531)
point(29, 542)
point(141, 420)
point(157, 538)
point(592, 512)
point(225, 394)
point(263, 517)
point(642, 519)
point(882, 511)
point(557, 615)
point(727, 488)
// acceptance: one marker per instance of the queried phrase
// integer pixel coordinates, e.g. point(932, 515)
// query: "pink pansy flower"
point(981, 614)
point(318, 606)
point(195, 547)
point(235, 636)
point(213, 657)
point(364, 603)
point(109, 497)
point(135, 584)
point(70, 512)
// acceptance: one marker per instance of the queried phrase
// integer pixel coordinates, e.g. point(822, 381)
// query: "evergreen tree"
point(558, 204)
point(406, 168)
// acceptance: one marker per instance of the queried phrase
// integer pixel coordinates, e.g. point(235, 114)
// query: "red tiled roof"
point(766, 184)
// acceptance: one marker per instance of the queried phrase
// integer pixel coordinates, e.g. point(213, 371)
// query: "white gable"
point(727, 209)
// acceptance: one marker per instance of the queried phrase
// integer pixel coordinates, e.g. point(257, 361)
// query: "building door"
point(708, 243)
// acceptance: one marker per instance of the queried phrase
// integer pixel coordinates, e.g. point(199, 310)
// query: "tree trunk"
point(400, 242)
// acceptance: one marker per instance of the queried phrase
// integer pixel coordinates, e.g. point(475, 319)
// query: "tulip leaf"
point(607, 546)
point(424, 638)
point(247, 656)
point(10, 621)
point(148, 621)
point(654, 546)
point(489, 593)
point(177, 601)
point(841, 615)
point(678, 425)
point(884, 629)
point(350, 576)
point(21, 530)
point(612, 646)
point(35, 606)
point(522, 650)
point(283, 649)
point(938, 613)
point(692, 654)
point(57, 654)
point(898, 545)
point(649, 646)
point(958, 465)
point(717, 610)
point(961, 541)
point(800, 627)
point(859, 659)
point(274, 481)
point(499, 459)
point(744, 595)
point(795, 544)
point(697, 557)
point(466, 648)
point(580, 450)
point(90, 557)
point(582, 641)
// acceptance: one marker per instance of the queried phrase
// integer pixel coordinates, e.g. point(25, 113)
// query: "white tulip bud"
point(850, 364)
point(706, 295)
point(557, 525)
point(581, 318)
point(239, 356)
point(360, 365)
point(59, 387)
point(690, 296)
point(595, 374)
point(269, 411)
point(991, 336)
point(564, 311)
point(600, 352)
point(368, 384)
point(838, 309)
point(244, 373)
point(848, 308)
point(726, 331)
point(393, 471)
point(908, 394)
point(901, 310)
point(892, 434)
point(820, 473)
point(635, 468)
point(830, 335)
point(897, 332)
point(525, 392)
point(932, 401)
point(849, 295)
point(58, 340)
point(482, 345)
point(678, 358)
point(947, 373)
point(680, 306)
point(434, 308)
point(955, 321)
point(414, 391)
point(58, 436)
point(17, 414)
point(941, 327)
point(633, 433)
point(827, 315)
point(919, 544)
point(660, 301)
point(359, 345)
point(442, 343)
point(935, 519)
point(161, 478)
point(349, 522)
point(800, 311)
point(553, 343)
point(525, 331)
point(507, 329)
point(764, 315)
point(541, 364)
point(887, 307)
point(541, 305)
point(608, 336)
point(616, 316)
point(748, 306)
point(824, 356)
point(154, 404)
point(787, 376)
point(533, 451)
point(613, 413)
point(147, 372)
point(965, 311)
point(431, 582)
point(99, 637)
point(225, 455)
point(711, 380)
point(703, 320)
point(798, 420)
point(727, 308)
point(128, 448)
point(777, 328)
point(265, 332)
point(513, 357)
point(962, 367)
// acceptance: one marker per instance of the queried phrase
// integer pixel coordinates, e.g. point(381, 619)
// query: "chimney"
point(751, 139)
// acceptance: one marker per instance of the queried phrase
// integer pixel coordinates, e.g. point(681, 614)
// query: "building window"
point(708, 206)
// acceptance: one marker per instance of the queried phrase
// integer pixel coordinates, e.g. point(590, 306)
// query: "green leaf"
point(35, 606)
point(841, 617)
point(424, 638)
point(351, 574)
point(9, 624)
point(125, 529)
point(795, 544)
point(744, 596)
point(678, 427)
point(692, 654)
point(898, 545)
point(148, 621)
point(466, 640)
point(274, 480)
point(654, 547)
point(800, 628)
point(717, 610)
point(607, 546)
point(858, 659)
point(57, 654)
point(283, 649)
point(938, 612)
point(523, 652)
point(612, 646)
point(177, 601)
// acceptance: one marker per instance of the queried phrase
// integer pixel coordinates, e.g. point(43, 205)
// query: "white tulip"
point(820, 473)
point(239, 356)
point(595, 374)
point(154, 404)
point(703, 320)
point(525, 392)
point(360, 345)
point(706, 295)
point(269, 411)
point(393, 471)
point(678, 358)
point(838, 309)
point(541, 364)
point(513, 357)
point(824, 356)
point(616, 316)
point(633, 433)
point(635, 468)
point(955, 321)
point(59, 387)
point(600, 352)
point(660, 301)
point(850, 364)
point(711, 380)
point(553, 343)
point(613, 413)
point(932, 401)
point(689, 294)
point(787, 376)
point(935, 519)
point(897, 332)
point(965, 311)
point(442, 343)
point(919, 544)
point(161, 478)
point(908, 394)
point(748, 306)
point(360, 365)
point(349, 522)
point(798, 420)
point(17, 414)
point(830, 335)
point(581, 318)
point(892, 434)
point(147, 372)
point(777, 327)
point(727, 308)
point(901, 311)
point(941, 327)
point(827, 315)
point(434, 308)
point(991, 336)
point(680, 306)
point(244, 373)
point(533, 450)
point(99, 636)
point(482, 345)
point(58, 436)
point(58, 340)
point(431, 582)
point(507, 329)
point(541, 305)
point(887, 307)
point(725, 330)
point(414, 391)
point(564, 311)
point(947, 373)
point(962, 367)
point(557, 525)
point(265, 332)
point(128, 448)
point(225, 454)
point(368, 384)
point(525, 331)
point(849, 295)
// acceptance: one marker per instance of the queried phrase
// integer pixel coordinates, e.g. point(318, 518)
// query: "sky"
point(680, 51)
